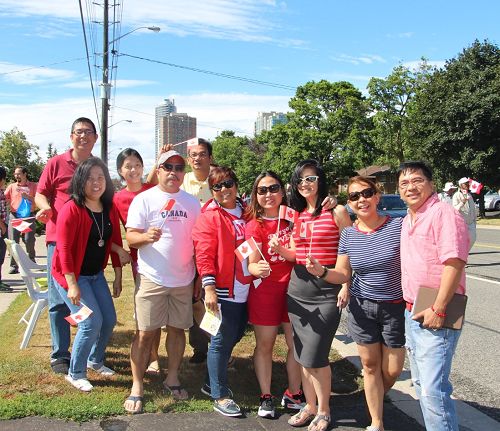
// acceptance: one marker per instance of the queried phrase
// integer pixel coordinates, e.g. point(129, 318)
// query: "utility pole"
point(105, 86)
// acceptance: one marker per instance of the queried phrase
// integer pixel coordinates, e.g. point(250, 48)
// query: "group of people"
point(182, 231)
point(16, 204)
point(461, 199)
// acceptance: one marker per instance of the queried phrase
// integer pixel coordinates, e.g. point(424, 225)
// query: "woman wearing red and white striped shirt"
point(313, 304)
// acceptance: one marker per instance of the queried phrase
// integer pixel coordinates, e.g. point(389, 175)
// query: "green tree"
point(51, 151)
point(329, 122)
point(239, 153)
point(457, 116)
point(391, 100)
point(16, 150)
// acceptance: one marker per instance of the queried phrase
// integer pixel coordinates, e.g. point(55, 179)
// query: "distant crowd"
point(292, 261)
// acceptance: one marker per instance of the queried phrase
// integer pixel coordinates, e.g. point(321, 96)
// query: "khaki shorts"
point(157, 306)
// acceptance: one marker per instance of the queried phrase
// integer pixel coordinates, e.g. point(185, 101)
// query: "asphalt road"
point(475, 372)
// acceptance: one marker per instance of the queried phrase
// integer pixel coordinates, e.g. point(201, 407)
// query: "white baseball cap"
point(449, 186)
point(165, 156)
point(463, 180)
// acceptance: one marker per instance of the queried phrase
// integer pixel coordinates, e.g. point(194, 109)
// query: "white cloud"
point(415, 65)
point(45, 123)
point(247, 20)
point(22, 74)
point(361, 59)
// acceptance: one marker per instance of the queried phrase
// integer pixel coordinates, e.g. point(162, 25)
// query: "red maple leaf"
point(244, 249)
point(78, 317)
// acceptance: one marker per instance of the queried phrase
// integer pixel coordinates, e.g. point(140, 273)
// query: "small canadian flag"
point(306, 229)
point(288, 213)
point(82, 314)
point(246, 248)
point(191, 142)
point(21, 225)
point(475, 186)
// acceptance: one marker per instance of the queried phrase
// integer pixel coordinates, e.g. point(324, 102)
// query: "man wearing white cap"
point(159, 224)
point(464, 204)
point(447, 194)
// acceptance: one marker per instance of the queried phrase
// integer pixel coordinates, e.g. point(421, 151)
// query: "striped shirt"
point(3, 207)
point(375, 260)
point(320, 238)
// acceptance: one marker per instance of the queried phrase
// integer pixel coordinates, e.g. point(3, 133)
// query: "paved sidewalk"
point(402, 413)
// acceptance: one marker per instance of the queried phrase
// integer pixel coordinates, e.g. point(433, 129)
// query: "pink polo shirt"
point(53, 184)
point(438, 233)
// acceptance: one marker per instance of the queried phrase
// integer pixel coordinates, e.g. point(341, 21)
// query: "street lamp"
point(121, 121)
point(105, 85)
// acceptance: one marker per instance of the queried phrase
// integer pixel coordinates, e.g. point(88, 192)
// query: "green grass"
point(28, 387)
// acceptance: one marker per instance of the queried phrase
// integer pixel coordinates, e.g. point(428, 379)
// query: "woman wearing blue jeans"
point(218, 231)
point(88, 230)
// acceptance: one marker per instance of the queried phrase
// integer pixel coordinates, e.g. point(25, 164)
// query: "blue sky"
point(283, 42)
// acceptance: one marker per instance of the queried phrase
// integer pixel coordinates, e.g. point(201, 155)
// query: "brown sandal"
point(299, 419)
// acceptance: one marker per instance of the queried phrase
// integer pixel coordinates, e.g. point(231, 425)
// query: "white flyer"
point(211, 322)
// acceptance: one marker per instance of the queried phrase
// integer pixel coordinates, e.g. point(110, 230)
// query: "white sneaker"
point(82, 384)
point(103, 371)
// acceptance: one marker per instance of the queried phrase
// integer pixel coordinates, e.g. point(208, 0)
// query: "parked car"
point(492, 201)
point(391, 205)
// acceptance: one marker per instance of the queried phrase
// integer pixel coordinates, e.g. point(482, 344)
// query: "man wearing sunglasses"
point(159, 224)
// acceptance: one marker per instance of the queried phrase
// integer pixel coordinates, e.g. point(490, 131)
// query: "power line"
point(43, 66)
point(88, 62)
point(209, 72)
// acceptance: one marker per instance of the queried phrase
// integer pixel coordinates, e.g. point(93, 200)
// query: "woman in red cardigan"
point(88, 230)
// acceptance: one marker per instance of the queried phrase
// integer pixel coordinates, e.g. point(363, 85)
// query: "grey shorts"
point(372, 322)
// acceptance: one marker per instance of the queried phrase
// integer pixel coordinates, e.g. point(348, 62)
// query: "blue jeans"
point(58, 310)
point(430, 354)
point(232, 328)
point(92, 337)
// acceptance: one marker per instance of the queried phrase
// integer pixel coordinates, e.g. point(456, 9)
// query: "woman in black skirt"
point(313, 304)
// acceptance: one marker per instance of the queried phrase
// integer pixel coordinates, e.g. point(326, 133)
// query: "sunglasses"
point(366, 193)
point(274, 188)
point(169, 167)
point(227, 184)
point(309, 179)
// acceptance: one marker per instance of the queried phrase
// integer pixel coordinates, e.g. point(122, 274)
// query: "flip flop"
point(136, 399)
point(315, 424)
point(177, 392)
point(299, 420)
point(153, 371)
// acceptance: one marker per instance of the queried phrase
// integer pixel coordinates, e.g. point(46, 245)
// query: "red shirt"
point(325, 238)
point(14, 194)
point(53, 184)
point(262, 232)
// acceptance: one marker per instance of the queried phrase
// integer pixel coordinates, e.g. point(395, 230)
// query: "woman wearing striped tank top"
point(313, 305)
point(371, 252)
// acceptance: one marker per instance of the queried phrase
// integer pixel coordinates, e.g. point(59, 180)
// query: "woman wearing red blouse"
point(313, 304)
point(88, 230)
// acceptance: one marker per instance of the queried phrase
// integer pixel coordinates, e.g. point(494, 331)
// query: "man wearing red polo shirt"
point(52, 193)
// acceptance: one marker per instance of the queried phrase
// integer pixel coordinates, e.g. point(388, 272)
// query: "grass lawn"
point(28, 387)
point(489, 221)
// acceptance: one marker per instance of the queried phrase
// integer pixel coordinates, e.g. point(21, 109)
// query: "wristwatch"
point(325, 272)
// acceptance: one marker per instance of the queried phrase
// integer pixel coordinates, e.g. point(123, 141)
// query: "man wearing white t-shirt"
point(159, 225)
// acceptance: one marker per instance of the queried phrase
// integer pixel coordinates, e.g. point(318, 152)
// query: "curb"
point(403, 397)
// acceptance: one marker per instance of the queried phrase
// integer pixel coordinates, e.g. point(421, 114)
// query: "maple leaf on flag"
point(288, 213)
point(305, 230)
point(82, 314)
point(21, 225)
point(246, 248)
point(192, 142)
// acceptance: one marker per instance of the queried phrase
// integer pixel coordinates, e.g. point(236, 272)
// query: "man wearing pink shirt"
point(434, 250)
point(51, 195)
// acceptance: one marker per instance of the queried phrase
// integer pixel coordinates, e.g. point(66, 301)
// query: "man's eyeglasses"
point(309, 179)
point(273, 188)
point(227, 184)
point(201, 155)
point(83, 132)
point(169, 167)
point(366, 193)
point(415, 182)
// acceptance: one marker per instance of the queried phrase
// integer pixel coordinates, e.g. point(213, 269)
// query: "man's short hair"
point(207, 145)
point(412, 166)
point(3, 173)
point(24, 170)
point(83, 120)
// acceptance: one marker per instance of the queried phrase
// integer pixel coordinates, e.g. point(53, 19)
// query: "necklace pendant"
point(100, 243)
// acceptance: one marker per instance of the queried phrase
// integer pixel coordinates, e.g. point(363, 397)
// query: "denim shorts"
point(372, 322)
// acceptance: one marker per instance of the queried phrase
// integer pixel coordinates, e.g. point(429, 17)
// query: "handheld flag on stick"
point(189, 143)
point(305, 230)
point(475, 187)
point(82, 314)
point(167, 207)
point(21, 225)
point(287, 213)
point(246, 248)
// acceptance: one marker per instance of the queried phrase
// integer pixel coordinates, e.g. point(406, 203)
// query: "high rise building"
point(171, 127)
point(266, 121)
point(175, 128)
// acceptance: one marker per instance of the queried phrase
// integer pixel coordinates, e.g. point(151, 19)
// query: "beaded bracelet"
point(442, 315)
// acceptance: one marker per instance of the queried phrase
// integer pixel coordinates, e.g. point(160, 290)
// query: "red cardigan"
point(72, 233)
